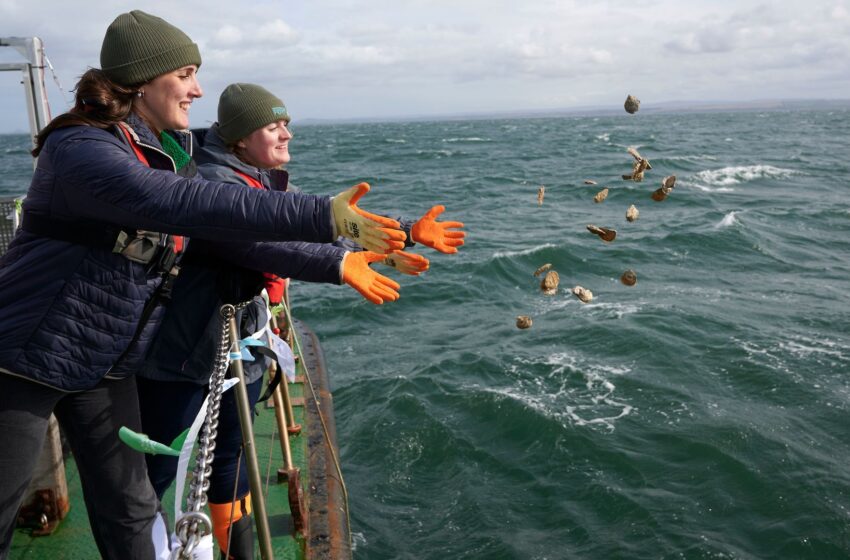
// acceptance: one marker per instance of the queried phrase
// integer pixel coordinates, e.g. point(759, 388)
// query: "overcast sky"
point(331, 59)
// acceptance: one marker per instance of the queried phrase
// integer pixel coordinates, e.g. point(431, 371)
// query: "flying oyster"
point(540, 192)
point(542, 269)
point(629, 278)
point(632, 104)
point(601, 195)
point(666, 188)
point(605, 234)
point(550, 282)
point(641, 164)
point(589, 182)
point(632, 213)
point(523, 322)
point(585, 295)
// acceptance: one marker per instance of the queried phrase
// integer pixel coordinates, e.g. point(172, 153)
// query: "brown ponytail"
point(98, 102)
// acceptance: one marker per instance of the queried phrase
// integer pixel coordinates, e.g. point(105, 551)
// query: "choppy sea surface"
point(702, 413)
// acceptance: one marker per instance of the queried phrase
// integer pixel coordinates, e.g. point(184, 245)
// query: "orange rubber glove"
point(437, 235)
point(370, 231)
point(407, 263)
point(371, 285)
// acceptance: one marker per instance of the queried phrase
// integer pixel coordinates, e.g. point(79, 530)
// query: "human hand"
point(437, 235)
point(372, 232)
point(407, 263)
point(371, 285)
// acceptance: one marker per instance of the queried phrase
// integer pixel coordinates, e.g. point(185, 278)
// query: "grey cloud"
point(394, 56)
point(714, 40)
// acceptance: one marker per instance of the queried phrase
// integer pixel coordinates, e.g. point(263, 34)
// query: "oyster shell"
point(666, 188)
point(550, 282)
point(605, 234)
point(589, 182)
point(601, 195)
point(583, 294)
point(632, 213)
point(632, 104)
point(540, 192)
point(638, 168)
point(523, 322)
point(629, 278)
point(542, 269)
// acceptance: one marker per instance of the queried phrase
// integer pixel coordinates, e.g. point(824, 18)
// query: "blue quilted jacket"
point(69, 311)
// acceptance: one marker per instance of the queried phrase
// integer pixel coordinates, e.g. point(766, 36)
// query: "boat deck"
point(327, 537)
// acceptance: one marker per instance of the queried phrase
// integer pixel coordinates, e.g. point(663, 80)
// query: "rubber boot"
point(239, 525)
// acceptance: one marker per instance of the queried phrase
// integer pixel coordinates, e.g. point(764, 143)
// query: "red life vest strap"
point(136, 149)
point(250, 180)
point(177, 240)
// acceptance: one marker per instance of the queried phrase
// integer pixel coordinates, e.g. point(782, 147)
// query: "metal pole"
point(291, 426)
point(280, 416)
point(255, 483)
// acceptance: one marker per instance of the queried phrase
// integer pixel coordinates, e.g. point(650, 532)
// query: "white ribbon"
point(186, 450)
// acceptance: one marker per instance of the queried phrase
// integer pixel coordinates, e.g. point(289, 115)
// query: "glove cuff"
point(336, 232)
point(342, 267)
point(407, 227)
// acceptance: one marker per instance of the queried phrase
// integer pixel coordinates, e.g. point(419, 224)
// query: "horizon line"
point(674, 106)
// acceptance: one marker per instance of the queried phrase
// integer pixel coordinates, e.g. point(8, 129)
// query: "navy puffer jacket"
point(68, 311)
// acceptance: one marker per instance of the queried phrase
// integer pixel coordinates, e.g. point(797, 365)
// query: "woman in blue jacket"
point(82, 282)
point(247, 148)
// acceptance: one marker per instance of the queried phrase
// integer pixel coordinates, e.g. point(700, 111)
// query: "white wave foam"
point(727, 221)
point(564, 361)
point(438, 153)
point(605, 137)
point(617, 310)
point(606, 421)
point(805, 347)
point(702, 157)
point(735, 175)
point(395, 140)
point(557, 395)
point(821, 358)
point(467, 139)
point(529, 251)
point(707, 189)
point(606, 310)
point(358, 539)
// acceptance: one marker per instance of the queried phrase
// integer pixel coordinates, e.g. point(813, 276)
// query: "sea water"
point(702, 413)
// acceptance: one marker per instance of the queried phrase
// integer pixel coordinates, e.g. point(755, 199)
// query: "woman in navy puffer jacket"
point(81, 283)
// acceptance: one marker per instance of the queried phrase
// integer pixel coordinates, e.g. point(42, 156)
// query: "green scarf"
point(173, 148)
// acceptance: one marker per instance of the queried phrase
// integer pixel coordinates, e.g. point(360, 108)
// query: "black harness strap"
point(274, 381)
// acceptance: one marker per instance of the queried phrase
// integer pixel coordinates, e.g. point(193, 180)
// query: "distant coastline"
point(592, 111)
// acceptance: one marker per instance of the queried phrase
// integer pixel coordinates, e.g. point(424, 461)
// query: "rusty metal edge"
point(329, 529)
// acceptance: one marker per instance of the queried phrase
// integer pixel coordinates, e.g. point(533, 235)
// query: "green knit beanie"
point(139, 47)
point(243, 108)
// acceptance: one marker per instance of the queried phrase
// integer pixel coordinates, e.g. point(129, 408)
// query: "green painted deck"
point(73, 541)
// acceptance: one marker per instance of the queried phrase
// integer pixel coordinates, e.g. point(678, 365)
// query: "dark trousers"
point(119, 498)
point(169, 407)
